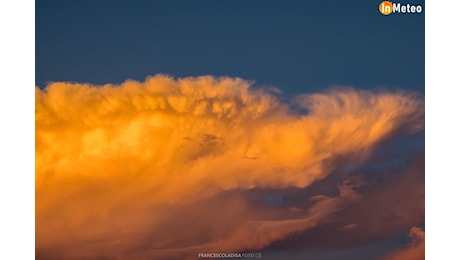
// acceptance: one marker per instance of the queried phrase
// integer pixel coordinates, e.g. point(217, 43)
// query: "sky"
point(301, 46)
point(166, 129)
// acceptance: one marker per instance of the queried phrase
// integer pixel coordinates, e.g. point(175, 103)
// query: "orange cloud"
point(111, 160)
point(415, 250)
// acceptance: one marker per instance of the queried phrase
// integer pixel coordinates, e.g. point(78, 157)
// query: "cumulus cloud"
point(113, 161)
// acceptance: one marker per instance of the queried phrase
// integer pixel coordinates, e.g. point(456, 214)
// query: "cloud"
point(117, 163)
point(386, 205)
point(237, 227)
point(415, 249)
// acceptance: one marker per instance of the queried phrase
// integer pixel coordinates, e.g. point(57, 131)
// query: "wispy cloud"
point(116, 164)
point(415, 250)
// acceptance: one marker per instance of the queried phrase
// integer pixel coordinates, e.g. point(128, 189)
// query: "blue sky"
point(298, 46)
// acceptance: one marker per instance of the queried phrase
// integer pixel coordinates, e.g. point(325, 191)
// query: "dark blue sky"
point(299, 46)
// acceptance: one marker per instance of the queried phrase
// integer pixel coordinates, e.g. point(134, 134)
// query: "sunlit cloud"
point(117, 164)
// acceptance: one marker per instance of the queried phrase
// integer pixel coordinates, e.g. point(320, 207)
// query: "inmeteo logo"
point(387, 7)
